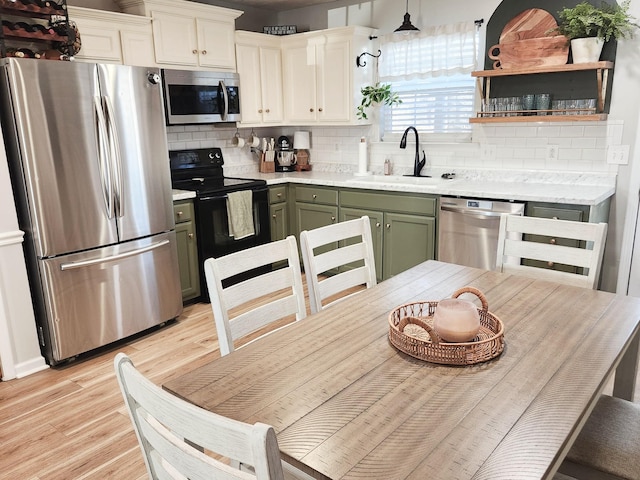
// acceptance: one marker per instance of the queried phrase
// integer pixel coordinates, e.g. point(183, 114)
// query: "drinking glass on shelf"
point(542, 101)
point(528, 103)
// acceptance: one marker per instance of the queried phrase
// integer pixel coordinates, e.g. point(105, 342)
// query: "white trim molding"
point(19, 349)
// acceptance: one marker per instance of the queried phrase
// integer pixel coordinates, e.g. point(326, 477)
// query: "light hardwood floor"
point(70, 423)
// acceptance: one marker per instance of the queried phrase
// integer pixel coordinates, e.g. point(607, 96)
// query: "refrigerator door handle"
point(225, 96)
point(112, 258)
point(103, 154)
point(115, 156)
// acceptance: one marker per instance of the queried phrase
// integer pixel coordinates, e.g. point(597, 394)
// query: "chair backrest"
point(325, 272)
point(513, 245)
point(265, 297)
point(172, 432)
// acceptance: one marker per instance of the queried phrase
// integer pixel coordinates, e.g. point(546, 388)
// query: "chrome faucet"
point(417, 164)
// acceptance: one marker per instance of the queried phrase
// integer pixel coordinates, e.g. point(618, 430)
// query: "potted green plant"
point(376, 95)
point(588, 27)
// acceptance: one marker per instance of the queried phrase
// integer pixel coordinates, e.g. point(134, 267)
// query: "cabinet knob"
point(195, 52)
point(179, 213)
point(190, 236)
point(555, 218)
point(267, 110)
point(550, 264)
point(278, 195)
point(378, 225)
point(388, 225)
point(320, 109)
point(311, 110)
point(204, 52)
point(315, 196)
point(333, 219)
point(552, 241)
point(260, 111)
point(273, 216)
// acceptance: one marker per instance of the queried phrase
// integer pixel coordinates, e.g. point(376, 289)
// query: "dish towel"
point(240, 214)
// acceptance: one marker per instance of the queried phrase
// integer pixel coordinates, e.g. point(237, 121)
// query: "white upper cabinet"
point(112, 37)
point(259, 63)
point(321, 80)
point(189, 34)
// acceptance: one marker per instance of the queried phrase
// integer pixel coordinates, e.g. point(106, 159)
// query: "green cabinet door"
point(376, 219)
point(279, 224)
point(310, 216)
point(187, 251)
point(408, 241)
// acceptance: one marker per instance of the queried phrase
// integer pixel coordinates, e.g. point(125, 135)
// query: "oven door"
point(213, 229)
point(201, 97)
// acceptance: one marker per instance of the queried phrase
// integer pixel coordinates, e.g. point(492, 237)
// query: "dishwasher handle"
point(475, 213)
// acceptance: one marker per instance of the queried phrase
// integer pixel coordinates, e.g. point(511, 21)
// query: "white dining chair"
point(608, 446)
point(513, 246)
point(173, 434)
point(264, 298)
point(349, 261)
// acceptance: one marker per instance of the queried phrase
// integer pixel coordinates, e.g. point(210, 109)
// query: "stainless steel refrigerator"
point(89, 163)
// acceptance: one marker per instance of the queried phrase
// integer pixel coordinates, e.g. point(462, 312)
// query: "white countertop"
point(552, 187)
point(576, 189)
point(182, 194)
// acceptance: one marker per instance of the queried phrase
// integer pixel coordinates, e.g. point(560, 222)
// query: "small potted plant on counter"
point(375, 95)
point(589, 27)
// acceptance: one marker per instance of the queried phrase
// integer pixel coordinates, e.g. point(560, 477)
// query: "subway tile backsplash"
point(582, 146)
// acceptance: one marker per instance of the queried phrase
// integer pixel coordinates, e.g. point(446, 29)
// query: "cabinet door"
point(271, 85)
point(100, 41)
point(279, 223)
point(137, 48)
point(188, 260)
point(248, 62)
point(216, 42)
point(175, 39)
point(408, 241)
point(299, 66)
point(334, 81)
point(376, 219)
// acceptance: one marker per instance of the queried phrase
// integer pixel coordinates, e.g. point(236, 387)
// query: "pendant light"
point(406, 24)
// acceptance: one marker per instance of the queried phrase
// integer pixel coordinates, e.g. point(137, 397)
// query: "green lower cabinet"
point(408, 241)
point(279, 224)
point(400, 241)
point(187, 249)
point(576, 214)
point(377, 221)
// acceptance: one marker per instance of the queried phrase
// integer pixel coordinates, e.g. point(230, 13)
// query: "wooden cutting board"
point(532, 23)
point(527, 40)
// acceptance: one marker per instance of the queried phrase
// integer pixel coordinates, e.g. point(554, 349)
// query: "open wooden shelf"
point(569, 67)
point(601, 70)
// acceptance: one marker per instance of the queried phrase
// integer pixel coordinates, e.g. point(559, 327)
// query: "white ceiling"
point(279, 5)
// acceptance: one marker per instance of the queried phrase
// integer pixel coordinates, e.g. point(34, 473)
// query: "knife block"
point(267, 167)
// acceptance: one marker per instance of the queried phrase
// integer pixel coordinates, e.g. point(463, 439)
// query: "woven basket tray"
point(411, 331)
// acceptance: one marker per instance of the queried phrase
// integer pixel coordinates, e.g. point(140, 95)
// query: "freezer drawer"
point(97, 297)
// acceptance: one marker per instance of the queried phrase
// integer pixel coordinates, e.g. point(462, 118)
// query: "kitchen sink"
point(401, 180)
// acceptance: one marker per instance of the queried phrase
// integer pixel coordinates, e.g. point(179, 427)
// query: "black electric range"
point(201, 171)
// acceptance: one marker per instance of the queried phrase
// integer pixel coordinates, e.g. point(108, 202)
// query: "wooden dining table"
point(346, 404)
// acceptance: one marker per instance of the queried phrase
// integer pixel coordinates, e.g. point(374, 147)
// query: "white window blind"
point(431, 72)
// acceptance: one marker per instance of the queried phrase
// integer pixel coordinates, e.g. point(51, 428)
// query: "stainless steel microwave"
point(201, 97)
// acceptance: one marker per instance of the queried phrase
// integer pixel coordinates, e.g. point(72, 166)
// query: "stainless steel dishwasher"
point(468, 230)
